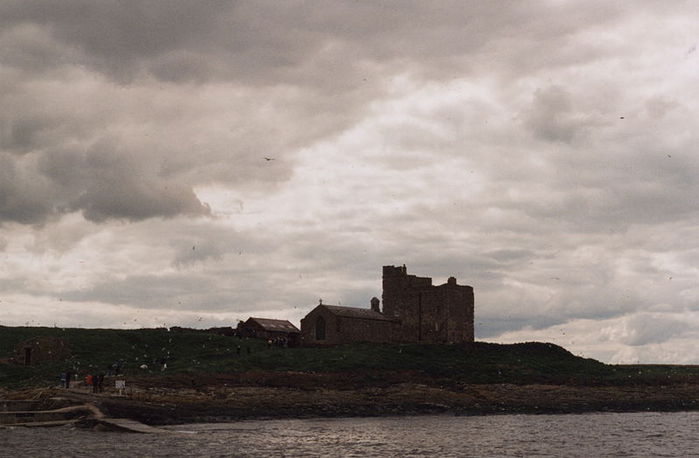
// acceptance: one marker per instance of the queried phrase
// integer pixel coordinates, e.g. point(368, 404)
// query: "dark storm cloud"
point(113, 36)
point(100, 182)
point(270, 42)
point(23, 198)
point(323, 64)
point(120, 186)
point(59, 156)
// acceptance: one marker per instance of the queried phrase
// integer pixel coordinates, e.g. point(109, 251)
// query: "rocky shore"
point(227, 404)
point(207, 380)
point(173, 400)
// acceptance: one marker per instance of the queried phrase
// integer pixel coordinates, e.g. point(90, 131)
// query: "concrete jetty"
point(54, 417)
point(14, 413)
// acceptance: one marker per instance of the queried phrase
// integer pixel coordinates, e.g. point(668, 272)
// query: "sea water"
point(585, 435)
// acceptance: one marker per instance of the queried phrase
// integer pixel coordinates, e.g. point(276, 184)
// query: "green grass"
point(93, 350)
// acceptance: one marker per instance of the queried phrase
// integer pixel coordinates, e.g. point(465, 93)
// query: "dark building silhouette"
point(41, 349)
point(424, 312)
point(332, 325)
point(414, 310)
point(268, 328)
point(222, 331)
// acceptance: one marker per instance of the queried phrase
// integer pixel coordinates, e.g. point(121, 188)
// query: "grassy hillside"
point(190, 352)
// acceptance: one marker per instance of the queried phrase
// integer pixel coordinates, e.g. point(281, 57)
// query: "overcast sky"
point(195, 163)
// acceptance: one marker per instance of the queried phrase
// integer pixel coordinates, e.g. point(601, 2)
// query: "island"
point(170, 376)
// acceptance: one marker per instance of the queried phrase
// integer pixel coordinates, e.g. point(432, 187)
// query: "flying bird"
point(269, 158)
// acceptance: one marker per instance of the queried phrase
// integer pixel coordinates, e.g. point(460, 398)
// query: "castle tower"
point(395, 281)
point(424, 312)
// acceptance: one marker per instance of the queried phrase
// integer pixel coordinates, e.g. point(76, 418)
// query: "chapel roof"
point(355, 312)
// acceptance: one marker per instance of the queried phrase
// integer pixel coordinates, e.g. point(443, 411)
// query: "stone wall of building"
point(319, 327)
point(323, 327)
point(359, 330)
point(427, 313)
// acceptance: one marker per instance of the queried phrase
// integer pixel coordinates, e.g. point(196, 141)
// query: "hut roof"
point(269, 324)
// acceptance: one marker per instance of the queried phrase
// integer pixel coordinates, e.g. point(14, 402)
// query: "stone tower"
point(424, 312)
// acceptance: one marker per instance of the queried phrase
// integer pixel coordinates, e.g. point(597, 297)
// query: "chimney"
point(375, 304)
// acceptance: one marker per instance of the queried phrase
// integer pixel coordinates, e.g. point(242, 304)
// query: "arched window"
point(320, 328)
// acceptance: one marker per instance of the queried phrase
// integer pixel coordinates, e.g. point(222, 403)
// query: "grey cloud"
point(490, 327)
point(22, 135)
point(220, 249)
point(99, 159)
point(23, 198)
point(115, 36)
point(554, 118)
point(150, 291)
point(198, 253)
point(508, 256)
point(8, 285)
point(264, 42)
point(590, 188)
point(643, 329)
point(116, 190)
point(31, 47)
point(102, 183)
point(281, 54)
point(138, 201)
point(190, 252)
point(188, 290)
